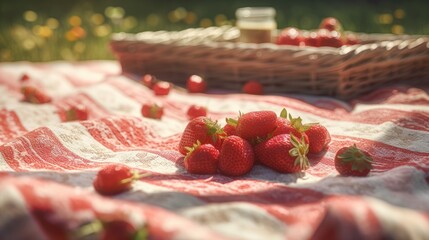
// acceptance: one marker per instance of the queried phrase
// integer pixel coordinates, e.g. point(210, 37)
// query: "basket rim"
point(163, 37)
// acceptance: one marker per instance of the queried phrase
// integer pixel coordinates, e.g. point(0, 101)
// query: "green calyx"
point(213, 129)
point(299, 150)
point(296, 122)
point(189, 150)
point(232, 121)
point(96, 226)
point(154, 109)
point(360, 160)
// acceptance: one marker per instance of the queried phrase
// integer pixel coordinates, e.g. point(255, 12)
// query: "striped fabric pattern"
point(49, 164)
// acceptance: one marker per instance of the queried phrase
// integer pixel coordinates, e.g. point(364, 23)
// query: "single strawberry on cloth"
point(49, 161)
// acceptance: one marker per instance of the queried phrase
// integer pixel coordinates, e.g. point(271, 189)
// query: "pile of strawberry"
point(282, 143)
point(329, 34)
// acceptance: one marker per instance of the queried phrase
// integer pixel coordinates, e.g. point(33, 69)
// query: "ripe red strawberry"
point(202, 159)
point(161, 88)
point(283, 153)
point(201, 129)
point(236, 156)
point(196, 84)
point(352, 161)
point(118, 229)
point(290, 36)
point(311, 39)
point(24, 78)
point(34, 95)
point(230, 127)
point(152, 110)
point(253, 87)
point(329, 38)
point(290, 126)
point(115, 178)
point(331, 24)
point(50, 222)
point(196, 111)
point(148, 80)
point(351, 39)
point(76, 113)
point(318, 137)
point(256, 124)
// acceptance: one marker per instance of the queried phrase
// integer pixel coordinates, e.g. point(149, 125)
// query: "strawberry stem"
point(88, 229)
point(136, 176)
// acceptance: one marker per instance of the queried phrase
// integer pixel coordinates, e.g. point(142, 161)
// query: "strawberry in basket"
point(331, 24)
point(290, 36)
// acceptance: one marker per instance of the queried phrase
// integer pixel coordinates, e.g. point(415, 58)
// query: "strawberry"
point(311, 39)
point(24, 78)
point(329, 38)
point(283, 153)
point(152, 110)
point(161, 88)
point(318, 137)
point(253, 87)
point(230, 127)
point(110, 229)
point(290, 36)
point(351, 39)
point(292, 126)
point(76, 113)
point(352, 161)
point(236, 156)
point(331, 24)
point(148, 80)
point(115, 178)
point(196, 111)
point(201, 159)
point(34, 95)
point(202, 129)
point(257, 124)
point(196, 84)
point(118, 229)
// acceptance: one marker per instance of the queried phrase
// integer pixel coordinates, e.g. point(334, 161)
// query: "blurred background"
point(47, 30)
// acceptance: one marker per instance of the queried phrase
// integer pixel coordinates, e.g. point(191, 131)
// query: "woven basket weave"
point(214, 53)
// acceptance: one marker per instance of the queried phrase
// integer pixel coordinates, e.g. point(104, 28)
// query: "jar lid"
point(251, 12)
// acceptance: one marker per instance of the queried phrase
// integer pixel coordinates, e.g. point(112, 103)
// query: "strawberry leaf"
point(283, 113)
point(359, 160)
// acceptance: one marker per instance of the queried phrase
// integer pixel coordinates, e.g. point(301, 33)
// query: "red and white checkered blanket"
point(48, 165)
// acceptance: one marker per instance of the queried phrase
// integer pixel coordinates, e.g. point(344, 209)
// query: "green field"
point(49, 30)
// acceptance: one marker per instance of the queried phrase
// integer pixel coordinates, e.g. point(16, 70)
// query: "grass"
point(81, 30)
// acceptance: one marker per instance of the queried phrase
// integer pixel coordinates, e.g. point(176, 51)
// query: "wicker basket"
point(214, 53)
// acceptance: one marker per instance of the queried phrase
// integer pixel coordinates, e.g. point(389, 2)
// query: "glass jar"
point(256, 24)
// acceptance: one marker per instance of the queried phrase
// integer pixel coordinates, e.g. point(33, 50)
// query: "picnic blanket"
point(48, 165)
